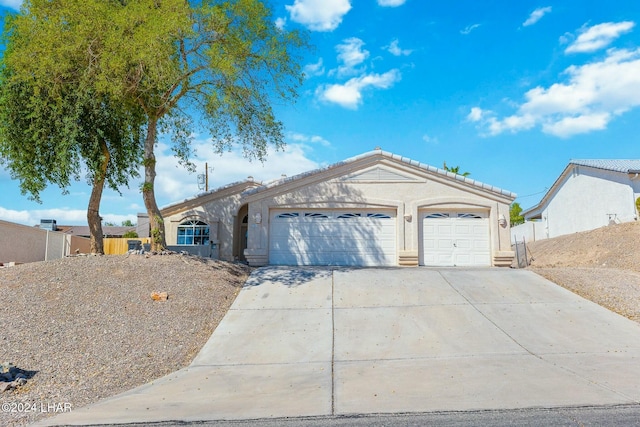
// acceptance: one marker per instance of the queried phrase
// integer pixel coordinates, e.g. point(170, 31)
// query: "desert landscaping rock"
point(84, 328)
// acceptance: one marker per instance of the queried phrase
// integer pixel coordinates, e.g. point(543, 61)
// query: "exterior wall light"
point(257, 218)
point(408, 217)
point(502, 221)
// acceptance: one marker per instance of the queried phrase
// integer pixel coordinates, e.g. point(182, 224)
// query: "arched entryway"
point(240, 230)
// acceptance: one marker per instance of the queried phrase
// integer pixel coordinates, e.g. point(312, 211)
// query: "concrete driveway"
point(317, 342)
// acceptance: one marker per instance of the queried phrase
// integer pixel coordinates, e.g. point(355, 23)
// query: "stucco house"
point(375, 209)
point(588, 194)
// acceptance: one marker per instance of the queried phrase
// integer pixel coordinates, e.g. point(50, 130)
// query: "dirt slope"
point(602, 265)
point(615, 246)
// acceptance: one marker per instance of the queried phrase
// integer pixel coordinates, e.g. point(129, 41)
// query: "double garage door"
point(455, 239)
point(332, 237)
point(368, 238)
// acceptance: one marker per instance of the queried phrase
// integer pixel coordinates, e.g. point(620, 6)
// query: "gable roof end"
point(627, 166)
point(388, 155)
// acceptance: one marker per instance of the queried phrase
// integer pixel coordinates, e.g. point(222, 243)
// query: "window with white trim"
point(193, 232)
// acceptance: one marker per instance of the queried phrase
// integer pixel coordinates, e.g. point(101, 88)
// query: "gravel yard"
point(601, 265)
point(84, 328)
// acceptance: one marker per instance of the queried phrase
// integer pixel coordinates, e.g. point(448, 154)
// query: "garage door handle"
point(455, 246)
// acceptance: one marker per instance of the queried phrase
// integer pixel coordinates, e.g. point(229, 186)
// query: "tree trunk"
point(156, 223)
point(93, 211)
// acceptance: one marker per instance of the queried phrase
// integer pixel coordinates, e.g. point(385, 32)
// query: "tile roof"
point(386, 154)
point(615, 165)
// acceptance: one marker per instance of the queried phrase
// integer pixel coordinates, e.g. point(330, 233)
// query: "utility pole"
point(206, 176)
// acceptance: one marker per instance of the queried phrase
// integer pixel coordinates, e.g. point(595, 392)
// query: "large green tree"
point(224, 61)
point(54, 125)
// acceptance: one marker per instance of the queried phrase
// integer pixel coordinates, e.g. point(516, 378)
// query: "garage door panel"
point(318, 237)
point(455, 239)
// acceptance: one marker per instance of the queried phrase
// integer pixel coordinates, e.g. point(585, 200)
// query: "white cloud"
point(536, 15)
point(33, 217)
point(391, 3)
point(394, 49)
point(63, 216)
point(349, 94)
point(469, 28)
point(430, 139)
point(312, 139)
point(11, 4)
point(599, 36)
point(316, 69)
point(350, 54)
point(476, 114)
point(569, 126)
point(281, 22)
point(319, 15)
point(174, 183)
point(592, 95)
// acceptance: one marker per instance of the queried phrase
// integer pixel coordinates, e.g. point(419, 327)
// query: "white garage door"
point(335, 237)
point(455, 239)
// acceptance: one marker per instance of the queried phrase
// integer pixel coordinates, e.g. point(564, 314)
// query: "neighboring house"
point(376, 209)
point(588, 194)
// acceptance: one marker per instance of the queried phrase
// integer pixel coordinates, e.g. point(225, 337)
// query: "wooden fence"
point(119, 246)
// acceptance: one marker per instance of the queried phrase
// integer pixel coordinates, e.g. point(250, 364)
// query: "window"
point(437, 215)
point(315, 215)
point(349, 215)
point(378, 215)
point(288, 215)
point(193, 233)
point(469, 215)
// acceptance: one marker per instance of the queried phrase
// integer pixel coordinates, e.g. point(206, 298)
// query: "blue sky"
point(508, 90)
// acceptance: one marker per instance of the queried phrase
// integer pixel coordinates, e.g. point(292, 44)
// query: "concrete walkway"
point(317, 342)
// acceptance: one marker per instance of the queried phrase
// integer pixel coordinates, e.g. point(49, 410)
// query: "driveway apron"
point(321, 342)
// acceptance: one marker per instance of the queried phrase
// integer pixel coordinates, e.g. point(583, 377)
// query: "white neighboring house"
point(587, 195)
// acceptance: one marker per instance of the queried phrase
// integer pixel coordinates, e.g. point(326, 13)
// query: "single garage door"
point(455, 239)
point(332, 237)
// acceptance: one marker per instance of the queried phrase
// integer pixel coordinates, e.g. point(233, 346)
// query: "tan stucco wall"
point(407, 197)
point(220, 214)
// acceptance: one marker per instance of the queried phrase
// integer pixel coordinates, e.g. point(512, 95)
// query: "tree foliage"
point(515, 217)
point(454, 169)
point(55, 126)
point(224, 60)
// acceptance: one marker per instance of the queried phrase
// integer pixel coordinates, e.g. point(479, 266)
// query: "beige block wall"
point(21, 243)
